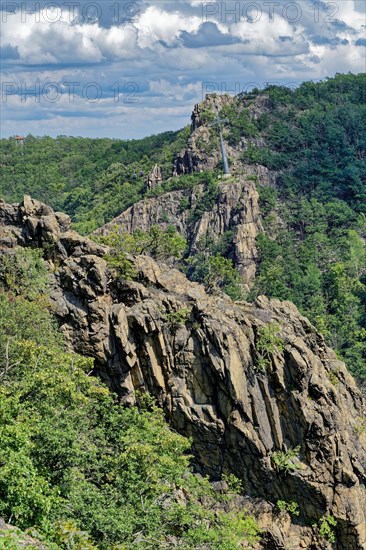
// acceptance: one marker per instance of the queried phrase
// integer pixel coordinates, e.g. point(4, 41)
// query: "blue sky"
point(127, 69)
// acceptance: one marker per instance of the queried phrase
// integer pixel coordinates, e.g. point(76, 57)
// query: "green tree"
point(160, 244)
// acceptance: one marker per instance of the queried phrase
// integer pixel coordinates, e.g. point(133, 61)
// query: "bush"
point(291, 507)
point(23, 271)
point(268, 343)
point(179, 317)
point(216, 273)
point(325, 528)
point(99, 472)
point(286, 461)
point(158, 243)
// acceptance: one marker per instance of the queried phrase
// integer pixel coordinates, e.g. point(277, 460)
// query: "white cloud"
point(175, 91)
point(156, 25)
point(347, 12)
point(44, 42)
point(153, 52)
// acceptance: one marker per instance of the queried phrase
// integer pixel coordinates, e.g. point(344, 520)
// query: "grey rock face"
point(236, 209)
point(203, 370)
point(203, 151)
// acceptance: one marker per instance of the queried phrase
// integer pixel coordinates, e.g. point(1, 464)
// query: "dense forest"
point(313, 247)
point(92, 180)
point(312, 251)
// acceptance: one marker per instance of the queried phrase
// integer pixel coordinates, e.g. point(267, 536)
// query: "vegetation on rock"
point(79, 470)
point(92, 180)
point(286, 461)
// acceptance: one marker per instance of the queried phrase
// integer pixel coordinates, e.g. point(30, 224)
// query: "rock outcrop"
point(154, 178)
point(202, 358)
point(236, 209)
point(203, 151)
point(19, 540)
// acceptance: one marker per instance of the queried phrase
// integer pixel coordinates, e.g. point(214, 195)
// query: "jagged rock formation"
point(203, 151)
point(236, 209)
point(199, 355)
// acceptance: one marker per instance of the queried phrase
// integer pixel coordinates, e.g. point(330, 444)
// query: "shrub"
point(23, 271)
point(291, 507)
point(87, 472)
point(286, 461)
point(158, 243)
point(325, 528)
point(184, 204)
point(179, 317)
point(268, 343)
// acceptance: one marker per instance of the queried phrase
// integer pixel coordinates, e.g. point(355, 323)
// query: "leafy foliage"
point(291, 507)
point(286, 461)
point(162, 244)
point(239, 122)
point(80, 471)
point(268, 343)
point(318, 261)
point(211, 266)
point(178, 317)
point(90, 179)
point(14, 539)
point(313, 249)
point(23, 272)
point(325, 528)
point(109, 470)
point(215, 272)
point(316, 136)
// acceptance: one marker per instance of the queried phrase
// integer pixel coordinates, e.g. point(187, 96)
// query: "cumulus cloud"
point(54, 38)
point(157, 25)
point(162, 55)
point(207, 35)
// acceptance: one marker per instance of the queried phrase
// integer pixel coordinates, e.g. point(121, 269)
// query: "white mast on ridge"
point(217, 123)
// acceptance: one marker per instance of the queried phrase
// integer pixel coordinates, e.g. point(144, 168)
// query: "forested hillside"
point(92, 180)
point(311, 139)
point(313, 247)
point(77, 469)
point(85, 465)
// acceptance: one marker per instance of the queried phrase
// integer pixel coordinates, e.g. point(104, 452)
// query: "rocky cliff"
point(203, 151)
point(236, 209)
point(244, 381)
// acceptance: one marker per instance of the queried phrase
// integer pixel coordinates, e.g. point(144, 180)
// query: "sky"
point(128, 69)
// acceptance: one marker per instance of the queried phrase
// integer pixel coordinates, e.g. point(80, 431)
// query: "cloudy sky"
point(127, 69)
